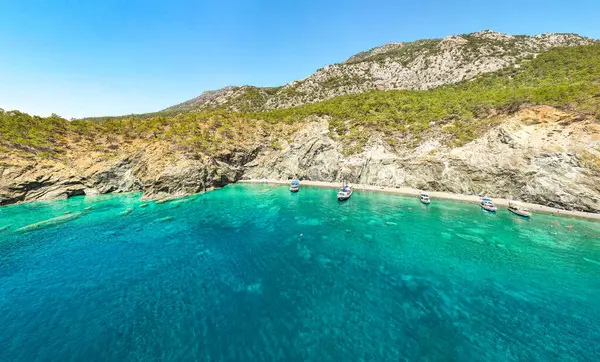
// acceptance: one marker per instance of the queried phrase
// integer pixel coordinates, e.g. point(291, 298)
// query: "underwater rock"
point(592, 261)
point(480, 231)
point(126, 212)
point(182, 200)
point(173, 199)
point(473, 238)
point(308, 221)
point(50, 222)
point(446, 235)
point(165, 219)
point(203, 252)
point(255, 288)
point(4, 228)
point(143, 205)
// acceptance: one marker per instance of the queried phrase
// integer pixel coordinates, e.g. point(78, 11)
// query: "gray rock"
point(510, 161)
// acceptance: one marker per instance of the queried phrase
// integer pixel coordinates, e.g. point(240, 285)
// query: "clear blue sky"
point(89, 58)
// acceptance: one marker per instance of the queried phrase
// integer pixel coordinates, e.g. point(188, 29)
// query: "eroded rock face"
point(41, 188)
point(539, 155)
point(156, 169)
point(117, 178)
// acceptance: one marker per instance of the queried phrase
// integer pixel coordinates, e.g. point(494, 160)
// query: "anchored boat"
point(295, 186)
point(424, 197)
point(344, 193)
point(487, 205)
point(518, 209)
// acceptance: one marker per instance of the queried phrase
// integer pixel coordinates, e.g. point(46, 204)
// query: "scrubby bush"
point(567, 78)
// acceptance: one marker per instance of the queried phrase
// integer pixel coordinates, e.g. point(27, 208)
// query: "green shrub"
point(567, 78)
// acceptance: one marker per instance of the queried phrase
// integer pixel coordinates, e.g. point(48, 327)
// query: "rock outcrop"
point(157, 169)
point(539, 155)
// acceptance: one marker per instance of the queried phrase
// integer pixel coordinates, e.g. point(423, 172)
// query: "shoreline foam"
point(407, 191)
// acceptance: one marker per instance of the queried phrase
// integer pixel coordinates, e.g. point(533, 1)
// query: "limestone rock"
point(546, 162)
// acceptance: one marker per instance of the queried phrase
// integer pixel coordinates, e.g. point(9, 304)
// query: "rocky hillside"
point(529, 131)
point(240, 99)
point(423, 64)
point(538, 154)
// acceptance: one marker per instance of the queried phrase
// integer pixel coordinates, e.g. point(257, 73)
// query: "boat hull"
point(343, 197)
point(520, 213)
point(294, 189)
point(488, 208)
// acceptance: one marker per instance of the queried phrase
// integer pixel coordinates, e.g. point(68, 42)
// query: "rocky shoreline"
point(407, 191)
point(538, 155)
point(404, 191)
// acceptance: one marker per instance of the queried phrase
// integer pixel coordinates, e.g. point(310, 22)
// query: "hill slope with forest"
point(418, 65)
point(530, 130)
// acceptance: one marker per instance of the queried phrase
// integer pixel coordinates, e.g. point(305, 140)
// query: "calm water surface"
point(254, 273)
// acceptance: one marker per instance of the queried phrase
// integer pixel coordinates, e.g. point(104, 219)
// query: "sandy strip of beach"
point(407, 191)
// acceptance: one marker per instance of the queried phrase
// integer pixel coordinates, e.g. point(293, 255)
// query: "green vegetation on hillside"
point(567, 78)
point(404, 53)
point(253, 98)
point(25, 133)
point(246, 99)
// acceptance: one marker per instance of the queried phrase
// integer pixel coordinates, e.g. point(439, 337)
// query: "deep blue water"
point(254, 273)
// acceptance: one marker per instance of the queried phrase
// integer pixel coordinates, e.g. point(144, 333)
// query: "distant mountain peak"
point(374, 51)
point(421, 64)
point(493, 35)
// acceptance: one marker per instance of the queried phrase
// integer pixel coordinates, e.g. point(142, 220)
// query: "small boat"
point(424, 197)
point(344, 193)
point(518, 209)
point(295, 186)
point(487, 205)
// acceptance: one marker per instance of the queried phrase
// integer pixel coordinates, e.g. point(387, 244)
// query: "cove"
point(255, 273)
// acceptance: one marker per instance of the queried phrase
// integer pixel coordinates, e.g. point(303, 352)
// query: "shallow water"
point(252, 272)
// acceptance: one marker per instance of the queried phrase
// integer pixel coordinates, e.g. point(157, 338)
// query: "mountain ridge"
point(529, 131)
point(420, 64)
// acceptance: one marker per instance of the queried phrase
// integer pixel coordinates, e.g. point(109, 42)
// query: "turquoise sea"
point(255, 273)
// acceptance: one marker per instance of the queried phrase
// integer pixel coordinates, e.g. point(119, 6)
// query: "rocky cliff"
point(540, 155)
point(423, 64)
point(158, 169)
point(529, 131)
